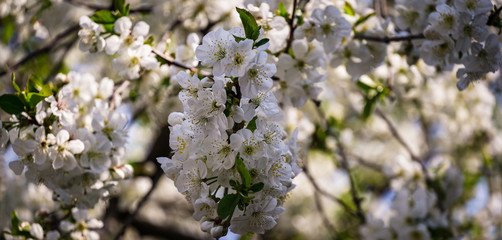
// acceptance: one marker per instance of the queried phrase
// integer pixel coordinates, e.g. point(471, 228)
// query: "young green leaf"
point(249, 23)
point(243, 171)
point(120, 6)
point(14, 221)
point(227, 205)
point(348, 9)
point(261, 42)
point(238, 39)
point(104, 17)
point(257, 187)
point(252, 124)
point(35, 84)
point(282, 11)
point(11, 104)
point(363, 19)
point(13, 80)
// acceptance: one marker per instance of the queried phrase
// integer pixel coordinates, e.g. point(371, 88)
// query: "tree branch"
point(325, 219)
point(386, 39)
point(98, 7)
point(160, 148)
point(291, 26)
point(47, 48)
point(326, 194)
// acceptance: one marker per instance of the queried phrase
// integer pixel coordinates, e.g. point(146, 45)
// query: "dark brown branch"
point(97, 7)
point(325, 220)
point(291, 26)
point(400, 139)
point(492, 16)
point(170, 61)
point(345, 165)
point(326, 194)
point(386, 39)
point(160, 149)
point(47, 48)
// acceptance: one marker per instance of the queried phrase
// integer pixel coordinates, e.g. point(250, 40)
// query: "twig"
point(98, 7)
point(291, 27)
point(400, 139)
point(366, 163)
point(60, 63)
point(325, 219)
point(326, 194)
point(492, 16)
point(169, 60)
point(50, 46)
point(345, 165)
point(116, 94)
point(159, 149)
point(386, 39)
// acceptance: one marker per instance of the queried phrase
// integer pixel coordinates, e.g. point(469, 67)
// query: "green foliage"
point(261, 42)
point(252, 124)
point(107, 18)
point(348, 9)
point(243, 171)
point(120, 6)
point(251, 28)
point(282, 11)
point(257, 187)
point(227, 205)
point(7, 28)
point(440, 233)
point(494, 19)
point(15, 227)
point(241, 198)
point(373, 91)
point(26, 100)
point(362, 19)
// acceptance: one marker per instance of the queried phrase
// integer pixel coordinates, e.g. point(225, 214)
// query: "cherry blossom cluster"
point(412, 215)
point(74, 144)
point(134, 53)
point(300, 68)
point(77, 224)
point(230, 158)
point(458, 33)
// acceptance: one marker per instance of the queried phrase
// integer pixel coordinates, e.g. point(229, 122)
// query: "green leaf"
point(252, 124)
point(233, 183)
point(120, 6)
point(13, 80)
point(261, 42)
point(11, 104)
point(257, 187)
point(369, 106)
point(104, 17)
point(440, 233)
point(238, 39)
point(249, 24)
point(8, 28)
point(149, 41)
point(282, 11)
point(348, 9)
point(256, 33)
point(227, 205)
point(14, 221)
point(363, 19)
point(35, 84)
point(34, 98)
point(243, 171)
point(127, 10)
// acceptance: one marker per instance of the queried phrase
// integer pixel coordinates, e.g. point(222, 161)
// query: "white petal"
point(75, 146)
